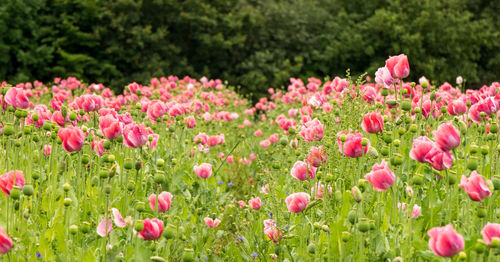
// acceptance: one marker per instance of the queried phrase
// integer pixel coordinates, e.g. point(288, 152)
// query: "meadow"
point(184, 169)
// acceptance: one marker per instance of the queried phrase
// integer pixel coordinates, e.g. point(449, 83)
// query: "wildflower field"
point(183, 169)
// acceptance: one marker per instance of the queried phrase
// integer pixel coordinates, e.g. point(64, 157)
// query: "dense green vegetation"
point(252, 43)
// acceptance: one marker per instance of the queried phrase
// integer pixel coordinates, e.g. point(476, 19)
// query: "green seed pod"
point(170, 231)
point(391, 102)
point(35, 175)
point(396, 160)
point(474, 149)
point(159, 178)
point(157, 259)
point(283, 141)
point(17, 143)
point(356, 194)
point(364, 141)
point(425, 84)
point(27, 130)
point(103, 173)
point(73, 229)
point(481, 212)
point(496, 182)
point(72, 116)
point(107, 189)
point(139, 225)
point(484, 149)
point(388, 138)
point(311, 248)
point(85, 159)
point(15, 193)
point(396, 142)
point(384, 151)
point(495, 242)
point(139, 206)
point(18, 113)
point(67, 202)
point(480, 247)
point(35, 138)
point(160, 162)
point(493, 128)
point(433, 96)
point(418, 110)
point(345, 236)
point(452, 179)
point(107, 144)
point(66, 187)
point(462, 256)
point(8, 130)
point(85, 227)
point(401, 131)
point(343, 138)
point(94, 181)
point(188, 255)
point(406, 105)
point(418, 180)
point(338, 195)
point(129, 164)
point(472, 164)
point(363, 225)
point(352, 217)
point(138, 165)
point(130, 186)
point(443, 110)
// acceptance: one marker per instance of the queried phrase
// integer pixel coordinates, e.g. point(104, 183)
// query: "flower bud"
point(385, 92)
point(356, 194)
point(160, 162)
point(364, 141)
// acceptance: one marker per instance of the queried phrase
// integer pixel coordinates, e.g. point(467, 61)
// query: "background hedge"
point(253, 43)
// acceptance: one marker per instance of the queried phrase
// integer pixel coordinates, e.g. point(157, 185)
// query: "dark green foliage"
point(253, 43)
